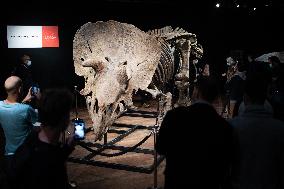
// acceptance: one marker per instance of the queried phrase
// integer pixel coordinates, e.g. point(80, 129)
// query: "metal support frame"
point(116, 128)
point(88, 159)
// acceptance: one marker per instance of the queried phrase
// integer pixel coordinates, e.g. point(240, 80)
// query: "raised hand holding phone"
point(79, 125)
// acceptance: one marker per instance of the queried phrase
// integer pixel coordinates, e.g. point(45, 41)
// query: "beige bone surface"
point(115, 60)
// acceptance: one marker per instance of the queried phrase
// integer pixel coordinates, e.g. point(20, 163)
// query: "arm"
point(32, 115)
point(28, 98)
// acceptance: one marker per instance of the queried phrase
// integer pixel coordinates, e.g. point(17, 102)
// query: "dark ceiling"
point(83, 6)
point(218, 29)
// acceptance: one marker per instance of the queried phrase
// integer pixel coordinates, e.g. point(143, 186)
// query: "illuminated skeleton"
point(116, 59)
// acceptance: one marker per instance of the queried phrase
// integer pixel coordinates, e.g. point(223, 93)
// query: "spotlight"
point(238, 6)
point(254, 8)
point(217, 5)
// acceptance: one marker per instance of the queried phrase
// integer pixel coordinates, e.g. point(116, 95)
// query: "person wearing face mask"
point(23, 71)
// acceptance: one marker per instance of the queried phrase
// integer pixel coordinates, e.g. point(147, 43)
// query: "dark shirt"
point(236, 88)
point(41, 165)
point(260, 162)
point(196, 142)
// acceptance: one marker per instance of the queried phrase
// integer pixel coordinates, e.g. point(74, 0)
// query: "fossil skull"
point(116, 59)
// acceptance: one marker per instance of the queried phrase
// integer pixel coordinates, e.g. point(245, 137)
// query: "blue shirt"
point(16, 121)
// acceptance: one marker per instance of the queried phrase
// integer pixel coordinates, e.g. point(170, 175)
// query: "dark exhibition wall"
point(219, 30)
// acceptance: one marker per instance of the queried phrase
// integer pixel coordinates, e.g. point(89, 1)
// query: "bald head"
point(13, 84)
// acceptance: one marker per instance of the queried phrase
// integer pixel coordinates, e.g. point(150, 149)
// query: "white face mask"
point(230, 61)
point(29, 63)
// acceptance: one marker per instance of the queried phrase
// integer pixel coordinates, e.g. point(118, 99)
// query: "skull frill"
point(116, 59)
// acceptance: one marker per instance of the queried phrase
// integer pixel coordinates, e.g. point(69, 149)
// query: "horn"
point(96, 65)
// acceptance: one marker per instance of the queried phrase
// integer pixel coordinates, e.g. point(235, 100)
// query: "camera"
point(79, 125)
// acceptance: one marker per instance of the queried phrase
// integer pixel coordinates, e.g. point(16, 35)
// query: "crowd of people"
point(201, 147)
point(34, 157)
point(244, 150)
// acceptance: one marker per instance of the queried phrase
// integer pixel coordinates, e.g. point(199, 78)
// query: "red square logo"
point(50, 36)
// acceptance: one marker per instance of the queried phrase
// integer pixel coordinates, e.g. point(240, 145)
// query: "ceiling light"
point(218, 5)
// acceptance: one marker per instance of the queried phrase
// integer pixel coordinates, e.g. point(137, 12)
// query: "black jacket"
point(40, 165)
point(197, 144)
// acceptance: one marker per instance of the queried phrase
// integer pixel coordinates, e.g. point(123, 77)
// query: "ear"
point(20, 90)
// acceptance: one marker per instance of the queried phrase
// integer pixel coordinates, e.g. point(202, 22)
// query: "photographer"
point(16, 119)
point(41, 161)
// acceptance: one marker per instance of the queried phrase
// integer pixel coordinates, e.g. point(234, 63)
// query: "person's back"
point(196, 142)
point(260, 141)
point(16, 120)
point(41, 165)
point(40, 161)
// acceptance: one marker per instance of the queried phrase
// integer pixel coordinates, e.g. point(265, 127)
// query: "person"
point(23, 71)
point(203, 134)
point(231, 66)
point(235, 88)
point(273, 62)
point(204, 71)
point(276, 88)
point(16, 119)
point(250, 63)
point(40, 162)
point(260, 162)
point(229, 69)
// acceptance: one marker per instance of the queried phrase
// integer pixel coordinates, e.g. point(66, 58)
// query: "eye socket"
point(82, 59)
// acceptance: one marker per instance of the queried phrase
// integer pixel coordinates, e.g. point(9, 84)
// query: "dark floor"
point(88, 176)
point(94, 177)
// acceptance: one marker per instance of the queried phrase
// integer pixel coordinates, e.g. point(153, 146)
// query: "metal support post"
point(155, 159)
point(76, 101)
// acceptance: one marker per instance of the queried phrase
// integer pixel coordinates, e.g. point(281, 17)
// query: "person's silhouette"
point(196, 142)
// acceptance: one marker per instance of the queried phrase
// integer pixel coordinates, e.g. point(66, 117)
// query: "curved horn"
point(96, 65)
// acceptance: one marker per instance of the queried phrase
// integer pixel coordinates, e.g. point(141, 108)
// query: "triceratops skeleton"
point(116, 59)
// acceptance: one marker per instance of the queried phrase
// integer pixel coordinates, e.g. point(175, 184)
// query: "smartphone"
point(79, 125)
point(35, 90)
